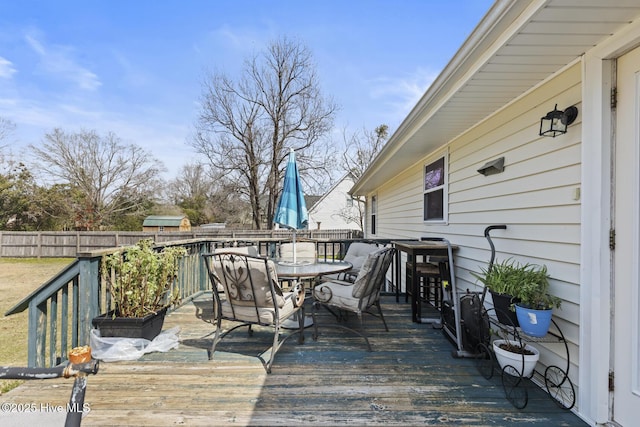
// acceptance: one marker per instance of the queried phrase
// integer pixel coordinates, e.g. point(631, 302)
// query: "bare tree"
point(229, 207)
point(362, 148)
point(6, 127)
point(192, 183)
point(191, 190)
point(110, 177)
point(247, 127)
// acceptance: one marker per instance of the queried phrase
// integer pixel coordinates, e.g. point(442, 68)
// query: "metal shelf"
point(555, 379)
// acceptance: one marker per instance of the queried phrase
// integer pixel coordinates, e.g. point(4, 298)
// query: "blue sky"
point(135, 67)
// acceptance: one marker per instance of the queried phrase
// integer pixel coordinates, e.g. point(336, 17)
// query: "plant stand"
point(555, 379)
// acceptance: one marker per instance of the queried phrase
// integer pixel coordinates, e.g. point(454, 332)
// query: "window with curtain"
point(374, 213)
point(434, 188)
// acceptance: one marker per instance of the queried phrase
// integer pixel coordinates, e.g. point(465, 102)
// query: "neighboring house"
point(571, 202)
point(336, 209)
point(165, 223)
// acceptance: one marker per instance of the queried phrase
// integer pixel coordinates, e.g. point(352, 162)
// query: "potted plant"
point(536, 305)
point(141, 282)
point(502, 280)
point(515, 358)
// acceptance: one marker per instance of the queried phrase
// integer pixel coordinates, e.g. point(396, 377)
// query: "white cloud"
point(6, 68)
point(132, 74)
point(403, 93)
point(165, 141)
point(35, 44)
point(242, 39)
point(59, 62)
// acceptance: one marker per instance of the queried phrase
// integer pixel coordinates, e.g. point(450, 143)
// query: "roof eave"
point(503, 19)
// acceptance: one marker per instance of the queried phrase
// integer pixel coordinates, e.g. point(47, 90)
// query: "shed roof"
point(162, 220)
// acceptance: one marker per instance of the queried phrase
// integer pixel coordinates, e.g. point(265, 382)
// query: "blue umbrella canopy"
point(292, 209)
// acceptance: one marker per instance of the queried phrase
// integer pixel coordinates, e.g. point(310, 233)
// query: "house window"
point(161, 228)
point(374, 213)
point(435, 179)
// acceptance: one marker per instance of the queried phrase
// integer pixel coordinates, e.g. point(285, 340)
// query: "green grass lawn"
point(18, 278)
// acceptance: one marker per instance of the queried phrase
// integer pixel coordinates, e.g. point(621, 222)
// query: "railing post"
point(88, 296)
point(36, 340)
point(203, 275)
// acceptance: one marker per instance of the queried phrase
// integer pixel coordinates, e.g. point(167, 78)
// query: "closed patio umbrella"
point(292, 210)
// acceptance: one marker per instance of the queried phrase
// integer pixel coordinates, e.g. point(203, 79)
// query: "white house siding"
point(535, 197)
point(328, 211)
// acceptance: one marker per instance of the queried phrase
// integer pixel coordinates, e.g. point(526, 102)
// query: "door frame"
point(598, 120)
point(625, 266)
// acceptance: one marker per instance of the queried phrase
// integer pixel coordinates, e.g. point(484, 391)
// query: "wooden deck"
point(409, 379)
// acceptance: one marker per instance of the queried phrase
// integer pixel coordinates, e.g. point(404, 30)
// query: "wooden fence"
point(63, 244)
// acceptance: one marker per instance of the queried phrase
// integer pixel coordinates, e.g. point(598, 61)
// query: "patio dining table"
point(309, 268)
point(436, 248)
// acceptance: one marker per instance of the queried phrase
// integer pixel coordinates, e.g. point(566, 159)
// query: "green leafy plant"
point(140, 279)
point(528, 284)
point(507, 276)
point(534, 293)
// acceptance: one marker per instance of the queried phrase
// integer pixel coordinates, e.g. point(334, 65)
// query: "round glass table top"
point(309, 267)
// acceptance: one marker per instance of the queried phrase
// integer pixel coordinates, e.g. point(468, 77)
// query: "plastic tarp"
point(114, 349)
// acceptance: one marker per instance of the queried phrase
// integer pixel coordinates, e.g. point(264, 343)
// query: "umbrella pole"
point(294, 246)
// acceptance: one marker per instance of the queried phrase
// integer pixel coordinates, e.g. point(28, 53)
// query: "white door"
point(626, 324)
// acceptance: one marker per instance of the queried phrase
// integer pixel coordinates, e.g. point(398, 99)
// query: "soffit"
point(515, 47)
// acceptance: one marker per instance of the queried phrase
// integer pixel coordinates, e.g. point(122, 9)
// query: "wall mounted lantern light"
point(556, 122)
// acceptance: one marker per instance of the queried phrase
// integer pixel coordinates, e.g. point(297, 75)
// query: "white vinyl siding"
point(336, 209)
point(537, 196)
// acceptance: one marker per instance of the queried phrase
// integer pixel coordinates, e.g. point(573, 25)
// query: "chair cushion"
point(237, 280)
point(336, 293)
point(304, 250)
point(356, 255)
point(359, 285)
point(265, 315)
point(243, 250)
point(358, 252)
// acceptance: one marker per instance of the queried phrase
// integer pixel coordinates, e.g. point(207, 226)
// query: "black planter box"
point(147, 327)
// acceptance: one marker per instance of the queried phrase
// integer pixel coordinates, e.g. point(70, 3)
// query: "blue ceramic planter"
point(534, 322)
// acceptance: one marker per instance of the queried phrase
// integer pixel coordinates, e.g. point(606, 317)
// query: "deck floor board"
point(410, 378)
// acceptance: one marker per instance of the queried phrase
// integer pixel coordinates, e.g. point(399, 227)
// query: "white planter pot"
point(514, 361)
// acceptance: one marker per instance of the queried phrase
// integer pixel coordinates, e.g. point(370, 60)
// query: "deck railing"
point(61, 310)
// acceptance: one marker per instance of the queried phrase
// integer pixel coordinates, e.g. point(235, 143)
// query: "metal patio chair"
point(341, 297)
point(357, 254)
point(304, 250)
point(252, 296)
